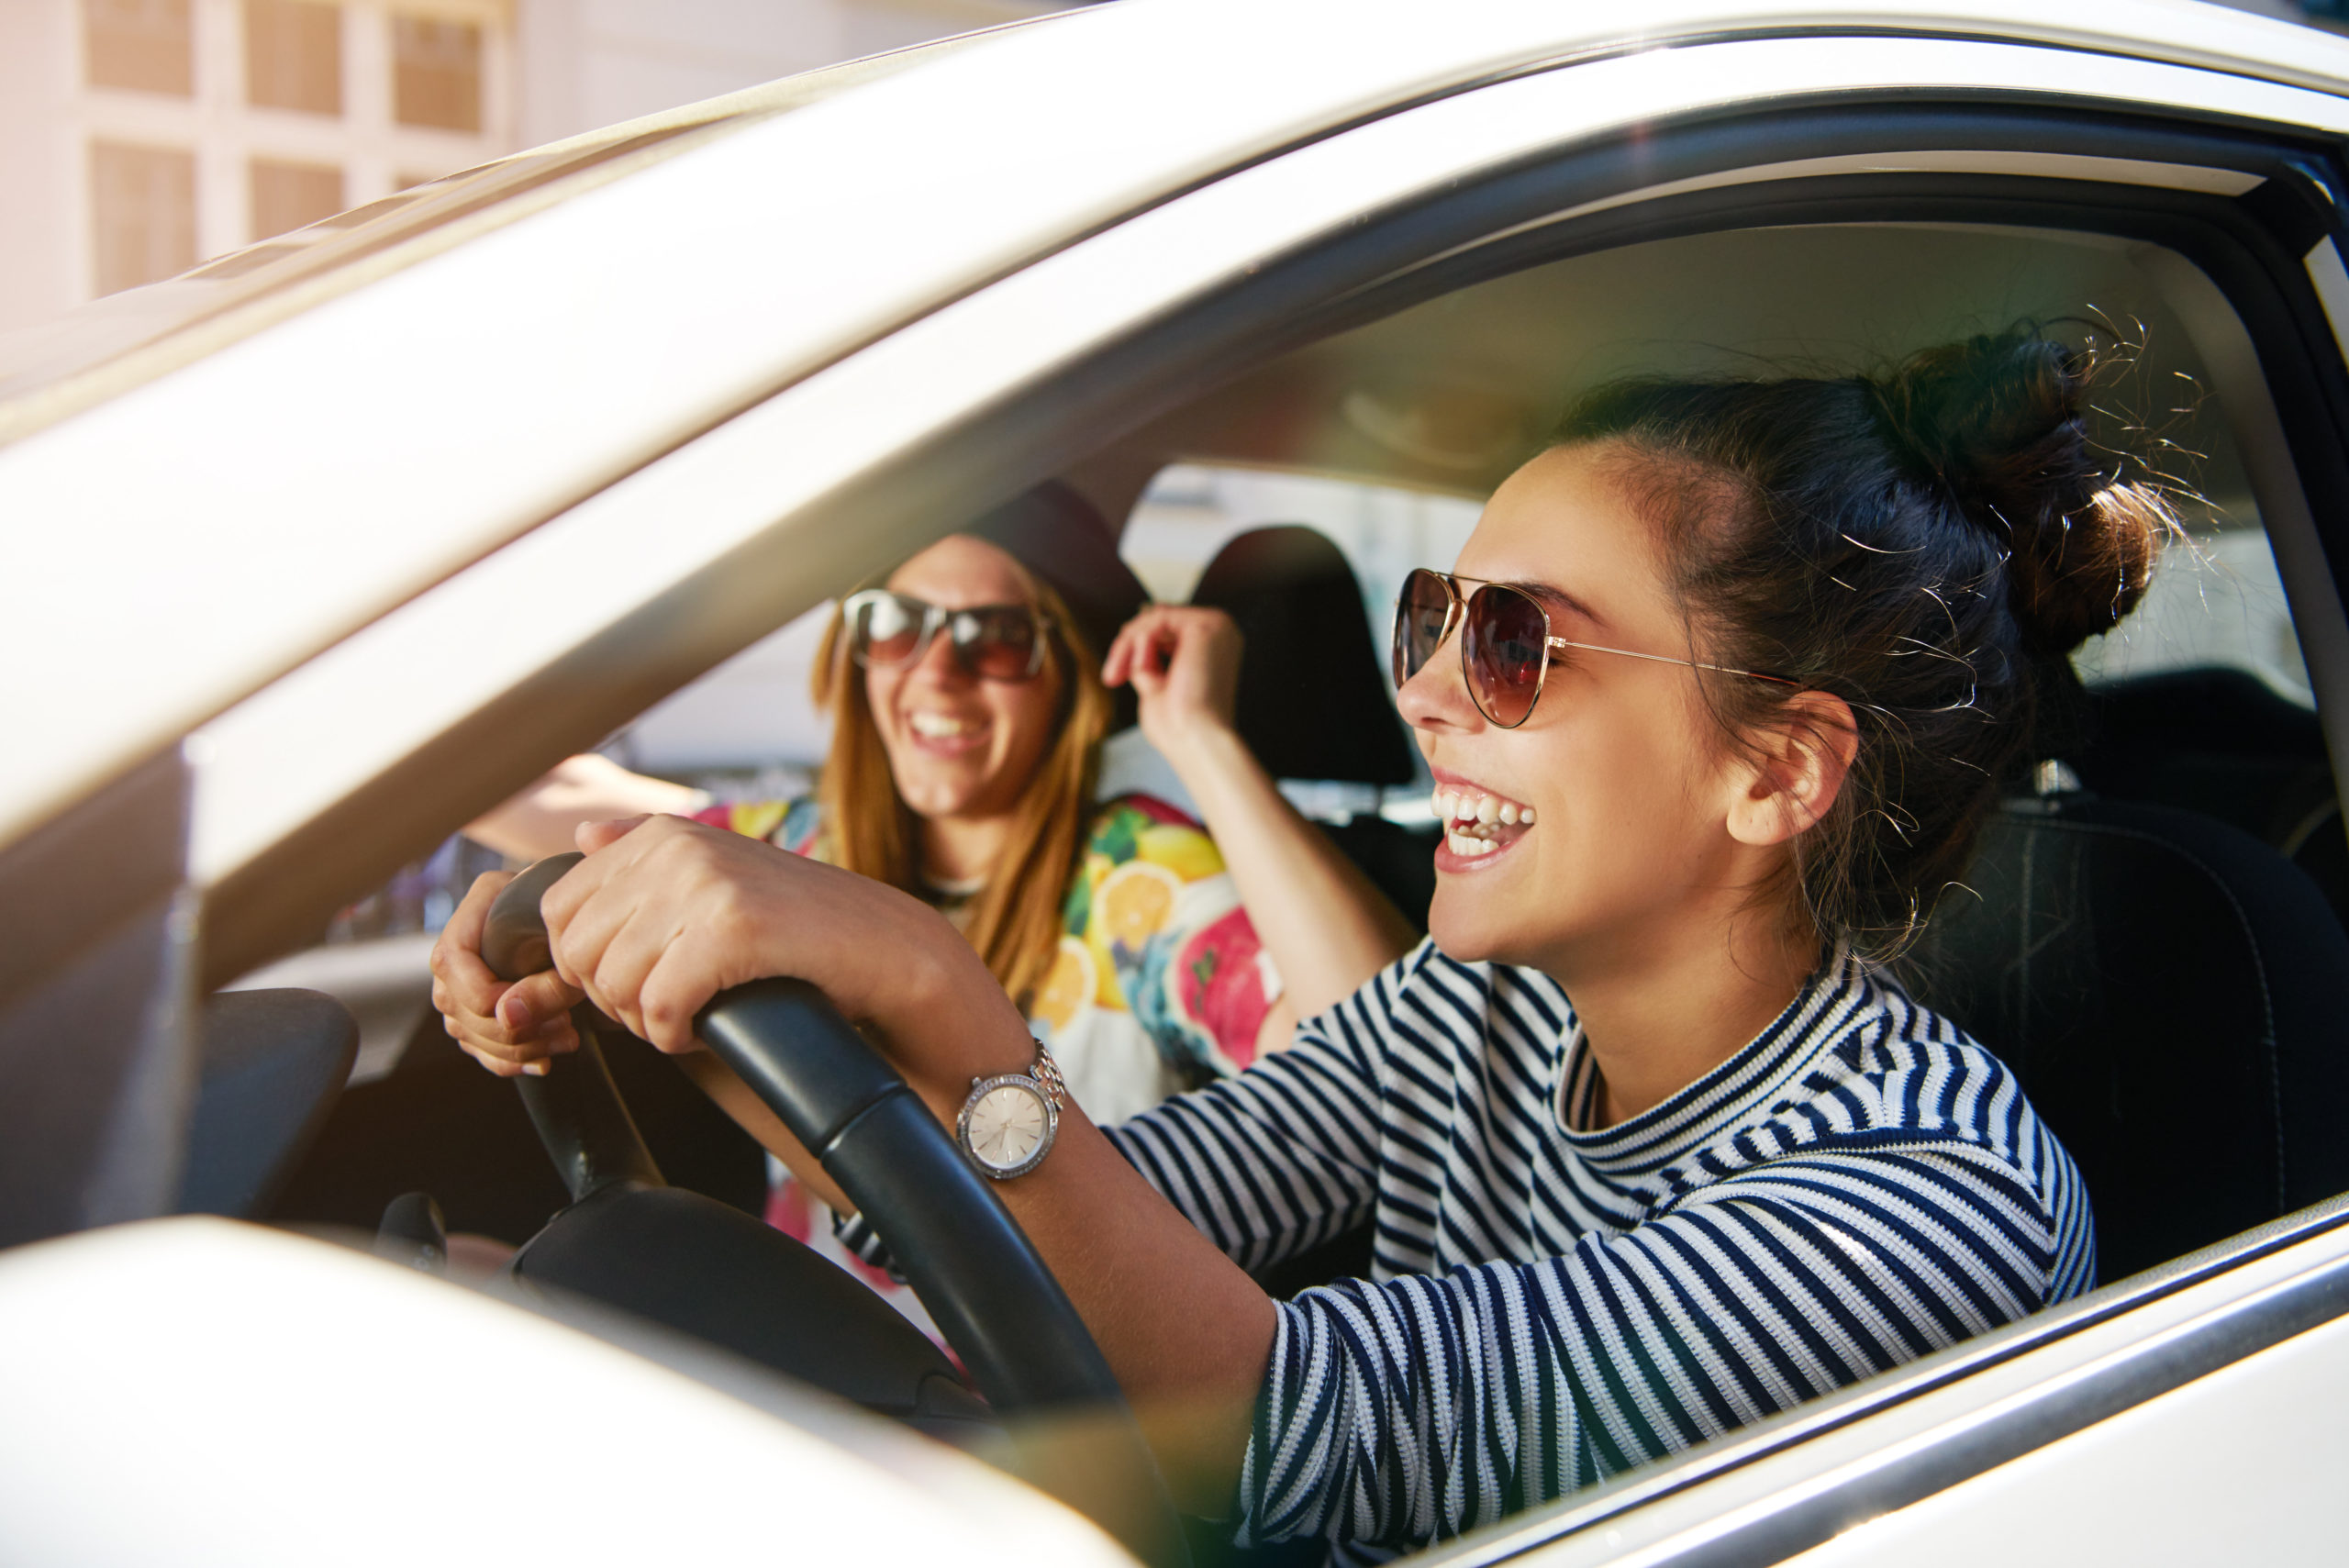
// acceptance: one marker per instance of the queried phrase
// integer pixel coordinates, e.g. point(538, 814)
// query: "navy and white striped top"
point(1861, 1184)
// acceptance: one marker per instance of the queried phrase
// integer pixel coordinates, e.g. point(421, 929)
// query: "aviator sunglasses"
point(996, 642)
point(1504, 641)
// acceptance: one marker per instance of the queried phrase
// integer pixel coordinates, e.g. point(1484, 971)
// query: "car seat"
point(1313, 702)
point(2174, 995)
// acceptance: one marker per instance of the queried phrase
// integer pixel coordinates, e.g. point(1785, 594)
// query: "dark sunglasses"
point(994, 643)
point(1504, 641)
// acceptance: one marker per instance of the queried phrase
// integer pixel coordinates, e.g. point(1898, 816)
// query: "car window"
point(2216, 601)
point(1192, 510)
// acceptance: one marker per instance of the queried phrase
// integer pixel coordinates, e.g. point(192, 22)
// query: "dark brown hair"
point(1927, 545)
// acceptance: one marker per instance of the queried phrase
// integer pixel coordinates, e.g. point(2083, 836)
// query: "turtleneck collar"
point(1725, 1097)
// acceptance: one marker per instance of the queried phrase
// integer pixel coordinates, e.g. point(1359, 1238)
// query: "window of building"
point(294, 55)
point(289, 196)
point(142, 213)
point(435, 73)
point(141, 44)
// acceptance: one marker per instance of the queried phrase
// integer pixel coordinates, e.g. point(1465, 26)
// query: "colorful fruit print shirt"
point(1159, 983)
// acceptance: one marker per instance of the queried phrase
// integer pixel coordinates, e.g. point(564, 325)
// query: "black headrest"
point(2174, 995)
point(1313, 702)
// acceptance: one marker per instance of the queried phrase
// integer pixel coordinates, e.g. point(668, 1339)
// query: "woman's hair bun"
point(2000, 422)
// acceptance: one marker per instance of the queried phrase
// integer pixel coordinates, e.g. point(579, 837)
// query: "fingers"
point(509, 1029)
point(592, 836)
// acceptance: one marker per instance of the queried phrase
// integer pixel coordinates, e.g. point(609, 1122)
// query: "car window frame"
point(1188, 342)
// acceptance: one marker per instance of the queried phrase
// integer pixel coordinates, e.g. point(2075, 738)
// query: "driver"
point(966, 688)
point(1653, 1145)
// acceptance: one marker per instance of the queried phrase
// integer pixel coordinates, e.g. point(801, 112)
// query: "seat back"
point(1313, 702)
point(2174, 995)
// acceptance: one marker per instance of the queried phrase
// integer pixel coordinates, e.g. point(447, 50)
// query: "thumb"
point(592, 836)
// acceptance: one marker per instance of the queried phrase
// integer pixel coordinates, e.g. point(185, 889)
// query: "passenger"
point(966, 743)
point(1652, 1144)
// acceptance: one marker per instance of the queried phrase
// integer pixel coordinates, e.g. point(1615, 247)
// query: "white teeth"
point(937, 725)
point(1461, 845)
point(1479, 811)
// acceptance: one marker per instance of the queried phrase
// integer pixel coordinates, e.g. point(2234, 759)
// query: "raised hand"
point(1183, 663)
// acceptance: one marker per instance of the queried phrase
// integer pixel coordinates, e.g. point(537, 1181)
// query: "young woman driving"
point(970, 707)
point(1716, 700)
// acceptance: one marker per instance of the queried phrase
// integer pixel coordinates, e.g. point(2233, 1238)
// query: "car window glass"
point(2216, 600)
point(1192, 510)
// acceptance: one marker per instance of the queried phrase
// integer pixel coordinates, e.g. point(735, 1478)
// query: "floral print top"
point(1159, 983)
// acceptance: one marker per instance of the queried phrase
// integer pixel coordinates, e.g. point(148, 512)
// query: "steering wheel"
point(981, 1278)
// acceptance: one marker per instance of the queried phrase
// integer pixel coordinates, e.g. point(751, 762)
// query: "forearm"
point(542, 820)
point(735, 1097)
point(1187, 1333)
point(1186, 1330)
point(1328, 929)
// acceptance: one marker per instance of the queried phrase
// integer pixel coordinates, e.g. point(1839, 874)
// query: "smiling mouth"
point(944, 734)
point(1478, 823)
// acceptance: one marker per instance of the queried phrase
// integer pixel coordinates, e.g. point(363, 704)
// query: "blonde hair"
point(1015, 921)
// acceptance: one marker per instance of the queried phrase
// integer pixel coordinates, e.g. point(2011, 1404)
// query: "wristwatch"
point(1006, 1125)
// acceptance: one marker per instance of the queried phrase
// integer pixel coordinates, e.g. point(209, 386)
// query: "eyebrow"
point(1564, 600)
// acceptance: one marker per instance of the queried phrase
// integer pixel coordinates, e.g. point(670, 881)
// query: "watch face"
point(1004, 1128)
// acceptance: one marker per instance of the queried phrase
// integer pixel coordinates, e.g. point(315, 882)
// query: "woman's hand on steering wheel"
point(1182, 662)
point(665, 913)
point(514, 1029)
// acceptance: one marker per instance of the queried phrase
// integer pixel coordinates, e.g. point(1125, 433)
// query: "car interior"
point(2153, 936)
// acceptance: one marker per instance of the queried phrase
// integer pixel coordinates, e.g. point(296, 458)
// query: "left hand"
point(665, 913)
point(1184, 662)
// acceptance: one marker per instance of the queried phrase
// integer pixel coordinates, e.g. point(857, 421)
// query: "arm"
point(540, 820)
point(1327, 926)
point(1529, 1380)
point(666, 913)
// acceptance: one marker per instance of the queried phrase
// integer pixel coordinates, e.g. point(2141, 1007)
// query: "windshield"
point(54, 371)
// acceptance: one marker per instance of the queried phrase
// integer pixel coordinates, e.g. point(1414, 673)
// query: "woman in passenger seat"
point(969, 706)
point(1716, 701)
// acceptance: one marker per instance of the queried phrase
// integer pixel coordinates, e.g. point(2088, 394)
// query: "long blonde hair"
point(1015, 920)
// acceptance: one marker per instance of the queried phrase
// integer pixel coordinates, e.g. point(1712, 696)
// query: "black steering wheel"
point(975, 1270)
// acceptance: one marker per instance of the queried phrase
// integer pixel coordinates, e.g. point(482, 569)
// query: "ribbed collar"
point(1732, 1095)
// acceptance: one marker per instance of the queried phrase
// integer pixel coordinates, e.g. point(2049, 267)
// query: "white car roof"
point(180, 545)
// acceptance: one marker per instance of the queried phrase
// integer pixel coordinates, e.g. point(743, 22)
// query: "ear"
point(1795, 768)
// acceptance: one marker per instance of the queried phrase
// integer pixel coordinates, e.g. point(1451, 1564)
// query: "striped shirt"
point(1548, 1305)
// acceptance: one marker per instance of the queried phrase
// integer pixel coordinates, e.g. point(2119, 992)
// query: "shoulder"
point(1889, 1066)
point(1427, 1004)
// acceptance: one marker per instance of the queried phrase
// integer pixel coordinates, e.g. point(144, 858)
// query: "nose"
point(938, 665)
point(1436, 698)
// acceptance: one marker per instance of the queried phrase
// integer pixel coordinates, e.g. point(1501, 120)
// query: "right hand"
point(512, 1030)
point(1182, 662)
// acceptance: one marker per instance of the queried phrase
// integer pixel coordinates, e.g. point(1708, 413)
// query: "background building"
point(138, 138)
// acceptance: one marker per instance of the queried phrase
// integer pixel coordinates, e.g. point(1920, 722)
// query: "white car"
point(316, 552)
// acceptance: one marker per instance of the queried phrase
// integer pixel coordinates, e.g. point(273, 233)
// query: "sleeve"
point(1403, 1412)
point(792, 825)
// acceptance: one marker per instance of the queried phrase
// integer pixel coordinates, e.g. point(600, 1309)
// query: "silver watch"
point(1006, 1125)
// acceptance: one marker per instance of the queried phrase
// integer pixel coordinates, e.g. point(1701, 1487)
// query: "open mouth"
point(945, 734)
point(1478, 824)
